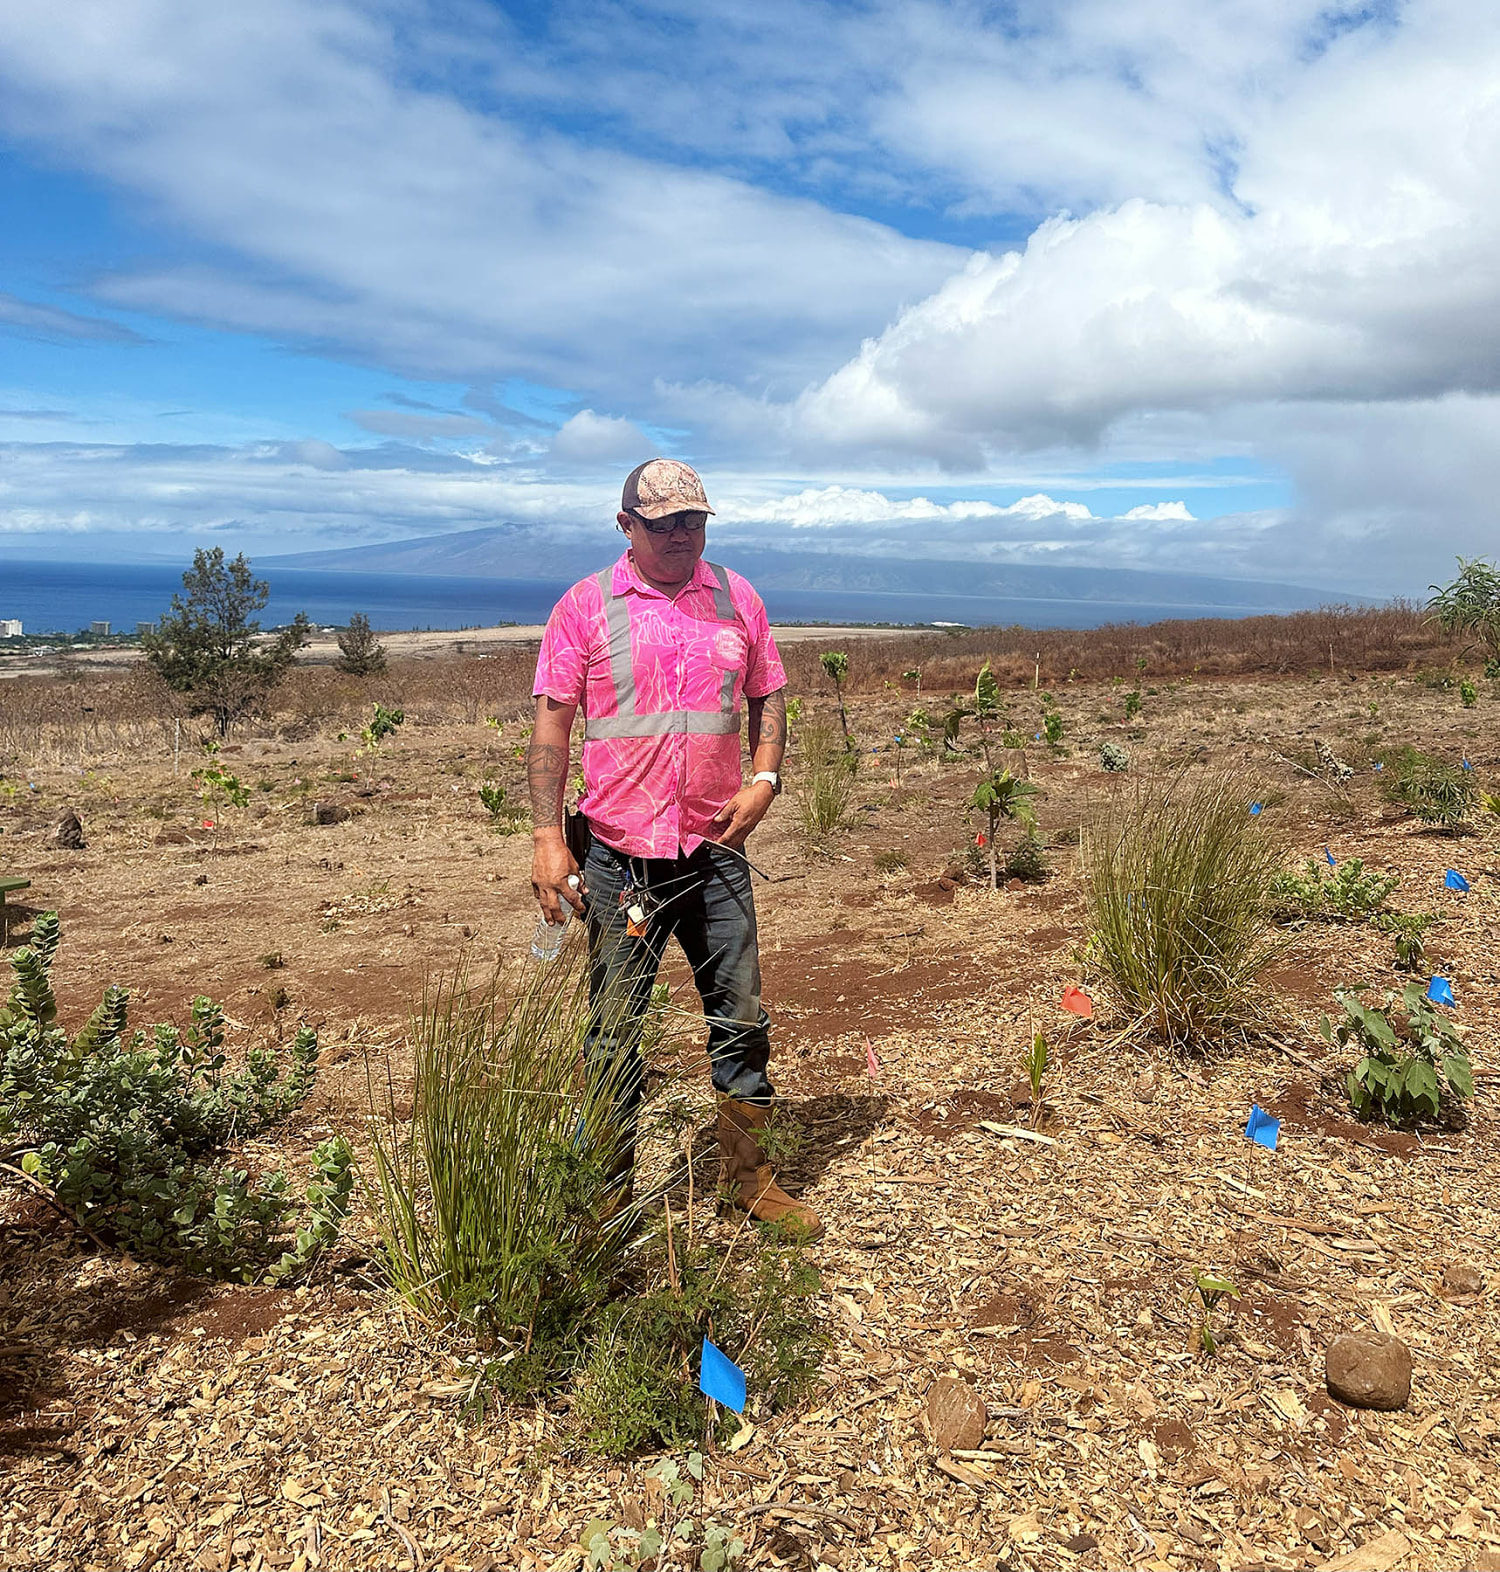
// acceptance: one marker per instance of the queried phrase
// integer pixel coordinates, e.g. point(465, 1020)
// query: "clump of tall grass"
point(825, 791)
point(500, 1214)
point(1178, 879)
point(496, 1210)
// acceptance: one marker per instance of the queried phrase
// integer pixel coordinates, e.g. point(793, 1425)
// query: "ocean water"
point(64, 597)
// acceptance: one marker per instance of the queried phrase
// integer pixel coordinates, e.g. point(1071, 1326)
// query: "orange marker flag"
point(1077, 1002)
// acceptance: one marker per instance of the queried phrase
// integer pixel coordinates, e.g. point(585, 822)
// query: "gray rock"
point(1369, 1370)
point(69, 832)
point(956, 1414)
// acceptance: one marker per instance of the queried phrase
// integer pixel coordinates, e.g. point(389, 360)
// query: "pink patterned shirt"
point(660, 679)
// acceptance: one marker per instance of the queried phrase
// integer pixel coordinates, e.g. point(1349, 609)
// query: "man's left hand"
point(743, 812)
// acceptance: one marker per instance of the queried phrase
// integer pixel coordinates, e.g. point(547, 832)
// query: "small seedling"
point(1132, 704)
point(383, 724)
point(1052, 728)
point(1412, 1053)
point(1210, 1291)
point(1113, 759)
point(1035, 1061)
point(1468, 693)
point(1437, 793)
point(835, 664)
point(1002, 796)
point(506, 816)
point(1347, 894)
point(1407, 929)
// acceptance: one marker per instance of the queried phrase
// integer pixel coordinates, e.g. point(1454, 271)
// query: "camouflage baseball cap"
point(661, 486)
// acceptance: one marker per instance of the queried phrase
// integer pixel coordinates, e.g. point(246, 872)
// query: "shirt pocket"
point(728, 647)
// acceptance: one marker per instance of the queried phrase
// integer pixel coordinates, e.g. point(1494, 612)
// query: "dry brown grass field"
point(153, 1419)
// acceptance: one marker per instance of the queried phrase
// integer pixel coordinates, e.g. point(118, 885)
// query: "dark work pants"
point(706, 901)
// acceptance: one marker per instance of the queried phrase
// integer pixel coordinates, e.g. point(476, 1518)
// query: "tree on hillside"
point(208, 646)
point(361, 653)
point(1471, 604)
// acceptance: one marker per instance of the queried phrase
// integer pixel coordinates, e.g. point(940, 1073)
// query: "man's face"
point(668, 548)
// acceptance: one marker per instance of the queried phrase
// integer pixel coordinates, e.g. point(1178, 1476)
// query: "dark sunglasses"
point(693, 523)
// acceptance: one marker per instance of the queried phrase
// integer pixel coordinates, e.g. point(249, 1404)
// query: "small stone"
point(956, 1415)
point(1369, 1370)
point(1145, 1084)
point(327, 813)
point(69, 832)
point(1463, 1277)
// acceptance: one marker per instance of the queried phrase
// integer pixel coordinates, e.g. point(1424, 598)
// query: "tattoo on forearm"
point(546, 776)
point(773, 719)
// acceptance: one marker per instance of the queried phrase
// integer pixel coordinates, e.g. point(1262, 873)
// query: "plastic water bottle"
point(547, 941)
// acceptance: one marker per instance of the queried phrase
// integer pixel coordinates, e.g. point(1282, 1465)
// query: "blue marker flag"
point(1332, 861)
point(1254, 809)
point(722, 1379)
point(1467, 765)
point(1455, 880)
point(1440, 991)
point(1379, 765)
point(1262, 1128)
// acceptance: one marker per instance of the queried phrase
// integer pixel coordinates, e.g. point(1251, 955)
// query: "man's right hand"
point(551, 865)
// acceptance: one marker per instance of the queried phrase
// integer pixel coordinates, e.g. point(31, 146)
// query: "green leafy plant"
point(1052, 728)
point(216, 786)
point(1132, 704)
point(505, 816)
point(1113, 759)
point(1407, 928)
point(1412, 1054)
point(1470, 603)
point(638, 1384)
point(1342, 894)
point(793, 711)
point(913, 674)
point(1178, 882)
point(1027, 860)
point(1002, 795)
point(1432, 790)
point(1468, 694)
point(126, 1130)
point(383, 723)
point(1210, 1290)
point(835, 664)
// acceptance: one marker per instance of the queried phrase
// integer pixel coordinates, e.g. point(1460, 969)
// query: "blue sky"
point(1200, 284)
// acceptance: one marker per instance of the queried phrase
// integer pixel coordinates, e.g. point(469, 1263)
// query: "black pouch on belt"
point(577, 835)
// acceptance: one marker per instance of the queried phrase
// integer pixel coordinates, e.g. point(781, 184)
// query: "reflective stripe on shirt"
point(625, 722)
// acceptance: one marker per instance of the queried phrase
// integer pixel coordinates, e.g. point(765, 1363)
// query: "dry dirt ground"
point(148, 1419)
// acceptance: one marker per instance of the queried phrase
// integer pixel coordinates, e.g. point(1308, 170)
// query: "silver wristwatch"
point(772, 777)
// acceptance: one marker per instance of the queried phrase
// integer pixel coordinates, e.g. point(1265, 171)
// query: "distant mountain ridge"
point(512, 551)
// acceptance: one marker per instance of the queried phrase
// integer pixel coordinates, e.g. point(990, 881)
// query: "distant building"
point(10, 627)
point(145, 627)
point(99, 627)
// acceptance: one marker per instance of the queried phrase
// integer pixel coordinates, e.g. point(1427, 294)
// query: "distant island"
point(512, 551)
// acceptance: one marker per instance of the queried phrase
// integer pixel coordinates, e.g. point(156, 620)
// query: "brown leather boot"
point(745, 1173)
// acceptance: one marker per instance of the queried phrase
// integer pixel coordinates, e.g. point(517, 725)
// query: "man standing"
point(659, 650)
